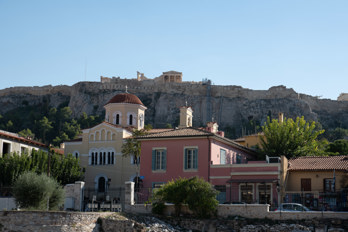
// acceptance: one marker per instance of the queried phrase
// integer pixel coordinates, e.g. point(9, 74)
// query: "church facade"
point(99, 148)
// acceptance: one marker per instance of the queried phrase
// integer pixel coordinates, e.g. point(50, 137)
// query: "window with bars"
point(191, 159)
point(159, 159)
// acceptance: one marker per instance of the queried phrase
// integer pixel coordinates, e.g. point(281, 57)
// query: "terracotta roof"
point(183, 132)
point(314, 163)
point(152, 131)
point(125, 98)
point(13, 136)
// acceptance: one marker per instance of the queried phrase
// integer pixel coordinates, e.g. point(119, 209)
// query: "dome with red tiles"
point(125, 98)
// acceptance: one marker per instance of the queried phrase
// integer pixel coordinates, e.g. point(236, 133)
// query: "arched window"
point(92, 158)
point(104, 157)
point(117, 119)
point(109, 158)
point(95, 158)
point(112, 157)
point(131, 119)
point(101, 185)
point(100, 158)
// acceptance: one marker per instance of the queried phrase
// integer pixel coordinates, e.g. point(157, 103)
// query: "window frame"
point(163, 159)
point(193, 161)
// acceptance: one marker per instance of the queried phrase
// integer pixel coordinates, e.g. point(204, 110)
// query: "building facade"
point(99, 148)
point(187, 152)
point(13, 143)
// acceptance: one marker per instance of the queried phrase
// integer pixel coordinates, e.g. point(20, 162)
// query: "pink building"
point(186, 152)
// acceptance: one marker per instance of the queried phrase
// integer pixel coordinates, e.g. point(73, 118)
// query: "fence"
point(327, 201)
point(110, 200)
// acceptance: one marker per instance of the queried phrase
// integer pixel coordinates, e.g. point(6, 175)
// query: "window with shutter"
point(159, 159)
point(191, 158)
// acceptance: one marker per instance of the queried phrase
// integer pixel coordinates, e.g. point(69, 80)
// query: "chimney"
point(212, 127)
point(186, 115)
point(280, 117)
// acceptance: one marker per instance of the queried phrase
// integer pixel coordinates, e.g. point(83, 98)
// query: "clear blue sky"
point(255, 44)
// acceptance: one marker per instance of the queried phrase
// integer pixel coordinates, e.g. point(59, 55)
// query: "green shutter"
point(195, 158)
point(164, 160)
point(185, 158)
point(153, 159)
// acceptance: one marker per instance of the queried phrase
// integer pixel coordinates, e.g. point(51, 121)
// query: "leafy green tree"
point(59, 139)
point(71, 129)
point(290, 138)
point(199, 195)
point(339, 147)
point(65, 169)
point(9, 125)
point(336, 134)
point(33, 191)
point(44, 126)
point(26, 133)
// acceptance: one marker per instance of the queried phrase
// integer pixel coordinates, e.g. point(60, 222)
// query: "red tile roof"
point(13, 136)
point(169, 133)
point(125, 98)
point(316, 163)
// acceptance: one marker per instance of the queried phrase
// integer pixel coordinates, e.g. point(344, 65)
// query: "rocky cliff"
point(233, 107)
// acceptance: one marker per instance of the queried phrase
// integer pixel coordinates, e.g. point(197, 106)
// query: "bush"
point(33, 191)
point(198, 194)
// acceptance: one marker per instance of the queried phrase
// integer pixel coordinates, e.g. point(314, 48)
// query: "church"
point(99, 148)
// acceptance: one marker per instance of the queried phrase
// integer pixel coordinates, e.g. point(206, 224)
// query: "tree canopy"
point(290, 138)
point(65, 169)
point(39, 192)
point(339, 147)
point(198, 194)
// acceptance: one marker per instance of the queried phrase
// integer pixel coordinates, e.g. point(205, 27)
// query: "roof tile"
point(313, 163)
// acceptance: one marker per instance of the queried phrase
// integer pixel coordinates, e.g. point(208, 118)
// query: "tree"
point(339, 147)
point(132, 147)
point(199, 195)
point(26, 133)
point(65, 169)
point(336, 134)
point(44, 126)
point(39, 192)
point(290, 138)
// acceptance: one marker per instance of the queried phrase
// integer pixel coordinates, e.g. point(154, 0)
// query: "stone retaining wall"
point(49, 221)
point(260, 211)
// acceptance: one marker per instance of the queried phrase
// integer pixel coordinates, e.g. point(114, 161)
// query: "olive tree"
point(39, 192)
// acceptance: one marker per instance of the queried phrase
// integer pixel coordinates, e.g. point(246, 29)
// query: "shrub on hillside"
point(33, 191)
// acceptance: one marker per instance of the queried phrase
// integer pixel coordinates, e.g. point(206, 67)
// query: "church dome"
point(125, 98)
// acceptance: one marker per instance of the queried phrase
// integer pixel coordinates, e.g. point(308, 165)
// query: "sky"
point(251, 43)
